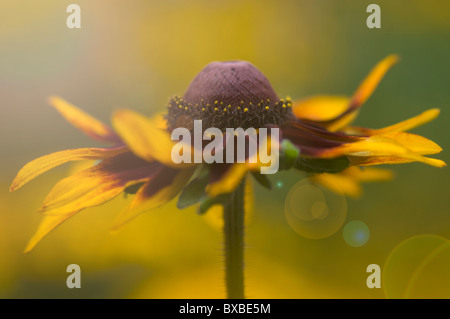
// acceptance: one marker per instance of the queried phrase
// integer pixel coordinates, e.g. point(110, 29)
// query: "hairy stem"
point(234, 244)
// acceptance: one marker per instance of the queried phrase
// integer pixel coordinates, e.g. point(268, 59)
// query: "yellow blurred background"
point(137, 54)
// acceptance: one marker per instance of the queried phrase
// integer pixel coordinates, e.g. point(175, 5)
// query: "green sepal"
point(194, 192)
point(289, 153)
point(321, 165)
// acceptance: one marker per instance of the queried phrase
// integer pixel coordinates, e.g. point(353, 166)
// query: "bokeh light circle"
point(279, 184)
point(314, 212)
point(419, 267)
point(356, 233)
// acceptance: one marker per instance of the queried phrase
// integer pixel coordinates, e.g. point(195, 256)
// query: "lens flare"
point(418, 267)
point(356, 233)
point(314, 212)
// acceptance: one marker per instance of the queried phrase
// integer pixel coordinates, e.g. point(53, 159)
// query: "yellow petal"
point(46, 162)
point(83, 121)
point(96, 185)
point(77, 192)
point(380, 146)
point(368, 174)
point(87, 188)
point(144, 202)
point(214, 217)
point(321, 108)
point(338, 183)
point(336, 112)
point(158, 121)
point(368, 147)
point(229, 181)
point(371, 82)
point(406, 125)
point(144, 138)
point(348, 182)
point(46, 225)
point(379, 160)
point(342, 121)
point(416, 143)
point(364, 91)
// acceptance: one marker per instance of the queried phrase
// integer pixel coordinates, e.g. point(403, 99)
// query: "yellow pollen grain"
point(242, 102)
point(203, 109)
point(180, 106)
point(246, 109)
point(288, 98)
point(284, 105)
point(268, 100)
point(239, 107)
point(229, 105)
point(225, 109)
point(215, 102)
point(186, 108)
point(216, 109)
point(221, 103)
point(267, 107)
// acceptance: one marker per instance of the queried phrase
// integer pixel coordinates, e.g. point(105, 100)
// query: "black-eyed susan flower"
point(315, 136)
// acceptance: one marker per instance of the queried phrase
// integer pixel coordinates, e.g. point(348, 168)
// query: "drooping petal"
point(348, 182)
point(406, 125)
point(46, 226)
point(144, 138)
point(90, 187)
point(160, 188)
point(46, 162)
point(338, 183)
point(84, 122)
point(369, 174)
point(98, 184)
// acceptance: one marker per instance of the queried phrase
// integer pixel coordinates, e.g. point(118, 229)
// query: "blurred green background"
point(137, 54)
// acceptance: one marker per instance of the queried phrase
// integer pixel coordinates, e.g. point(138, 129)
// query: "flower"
point(315, 137)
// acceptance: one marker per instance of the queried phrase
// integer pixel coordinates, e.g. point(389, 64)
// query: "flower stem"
point(234, 244)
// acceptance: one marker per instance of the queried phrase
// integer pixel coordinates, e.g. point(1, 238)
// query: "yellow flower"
point(315, 137)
